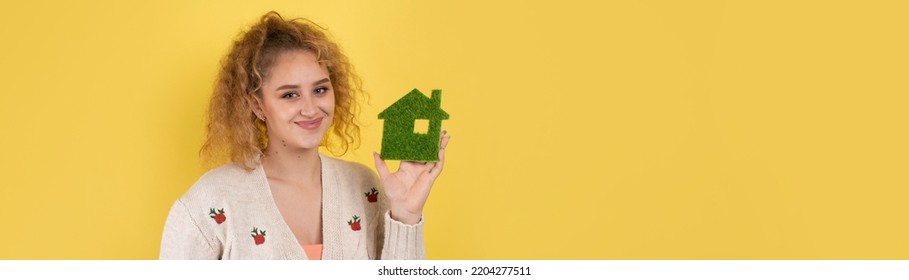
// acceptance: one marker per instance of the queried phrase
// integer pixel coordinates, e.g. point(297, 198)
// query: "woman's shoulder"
point(227, 172)
point(224, 181)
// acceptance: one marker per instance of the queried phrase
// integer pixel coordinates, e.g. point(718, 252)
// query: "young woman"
point(281, 88)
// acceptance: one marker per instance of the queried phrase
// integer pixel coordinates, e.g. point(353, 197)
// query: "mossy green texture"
point(399, 141)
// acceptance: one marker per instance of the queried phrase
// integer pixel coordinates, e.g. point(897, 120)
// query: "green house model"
point(413, 127)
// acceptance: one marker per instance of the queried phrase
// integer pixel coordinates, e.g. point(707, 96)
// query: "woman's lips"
point(313, 124)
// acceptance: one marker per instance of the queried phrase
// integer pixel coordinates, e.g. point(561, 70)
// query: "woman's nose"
point(309, 108)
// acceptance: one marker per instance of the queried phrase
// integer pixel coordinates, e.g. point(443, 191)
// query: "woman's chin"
point(309, 144)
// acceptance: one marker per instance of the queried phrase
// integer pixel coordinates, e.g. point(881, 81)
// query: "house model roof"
point(416, 105)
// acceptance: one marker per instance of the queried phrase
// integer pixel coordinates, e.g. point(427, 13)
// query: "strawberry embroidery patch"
point(372, 196)
point(218, 216)
point(354, 223)
point(258, 237)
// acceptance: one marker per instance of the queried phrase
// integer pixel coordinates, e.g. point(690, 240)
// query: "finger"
point(380, 166)
point(410, 165)
point(422, 167)
point(445, 139)
point(437, 168)
point(411, 169)
point(415, 167)
point(421, 188)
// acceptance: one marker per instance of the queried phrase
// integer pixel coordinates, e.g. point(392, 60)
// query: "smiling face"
point(297, 101)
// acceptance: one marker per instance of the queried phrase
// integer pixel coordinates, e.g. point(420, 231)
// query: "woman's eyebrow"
point(322, 81)
point(293, 86)
point(289, 86)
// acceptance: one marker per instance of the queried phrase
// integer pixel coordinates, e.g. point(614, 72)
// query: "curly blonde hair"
point(234, 131)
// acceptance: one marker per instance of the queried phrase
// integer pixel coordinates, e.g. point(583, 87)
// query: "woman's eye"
point(291, 94)
point(321, 90)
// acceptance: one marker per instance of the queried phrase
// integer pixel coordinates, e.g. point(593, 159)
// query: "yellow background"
point(581, 130)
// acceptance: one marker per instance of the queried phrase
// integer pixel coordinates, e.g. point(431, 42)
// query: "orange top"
point(313, 251)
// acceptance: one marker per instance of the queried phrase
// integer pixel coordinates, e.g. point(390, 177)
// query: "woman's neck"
point(300, 167)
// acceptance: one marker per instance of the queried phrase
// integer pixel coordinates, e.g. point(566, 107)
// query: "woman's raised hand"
point(408, 188)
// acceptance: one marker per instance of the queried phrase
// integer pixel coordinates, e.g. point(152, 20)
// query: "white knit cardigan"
point(251, 227)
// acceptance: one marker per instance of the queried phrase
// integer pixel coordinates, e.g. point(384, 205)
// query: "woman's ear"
point(255, 104)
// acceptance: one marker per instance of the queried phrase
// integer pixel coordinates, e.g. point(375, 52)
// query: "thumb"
point(380, 166)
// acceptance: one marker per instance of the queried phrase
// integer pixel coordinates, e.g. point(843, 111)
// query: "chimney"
point(437, 97)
